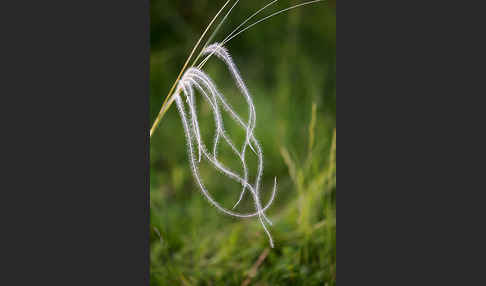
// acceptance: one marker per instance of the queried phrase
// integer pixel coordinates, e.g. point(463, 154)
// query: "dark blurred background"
point(289, 64)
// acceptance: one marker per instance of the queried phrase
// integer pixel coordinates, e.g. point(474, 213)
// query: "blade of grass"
point(231, 36)
point(312, 128)
point(162, 109)
point(266, 18)
point(249, 18)
point(214, 32)
point(253, 271)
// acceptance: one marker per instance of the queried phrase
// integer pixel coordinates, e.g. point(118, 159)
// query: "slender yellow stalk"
point(167, 103)
point(170, 97)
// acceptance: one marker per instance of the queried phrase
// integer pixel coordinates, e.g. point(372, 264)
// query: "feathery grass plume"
point(195, 79)
point(224, 55)
point(202, 82)
point(205, 80)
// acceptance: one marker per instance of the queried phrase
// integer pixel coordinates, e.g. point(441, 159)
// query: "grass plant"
point(192, 244)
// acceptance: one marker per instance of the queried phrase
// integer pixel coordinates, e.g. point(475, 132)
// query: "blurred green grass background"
point(289, 65)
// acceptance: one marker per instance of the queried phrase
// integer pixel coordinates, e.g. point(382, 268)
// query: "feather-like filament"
point(195, 79)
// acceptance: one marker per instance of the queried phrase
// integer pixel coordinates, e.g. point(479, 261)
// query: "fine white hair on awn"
point(194, 80)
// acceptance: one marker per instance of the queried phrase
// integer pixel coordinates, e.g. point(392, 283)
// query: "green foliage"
point(289, 64)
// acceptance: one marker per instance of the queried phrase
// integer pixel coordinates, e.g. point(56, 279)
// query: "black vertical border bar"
point(146, 114)
point(74, 104)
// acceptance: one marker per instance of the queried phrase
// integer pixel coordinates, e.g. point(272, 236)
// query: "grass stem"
point(170, 98)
